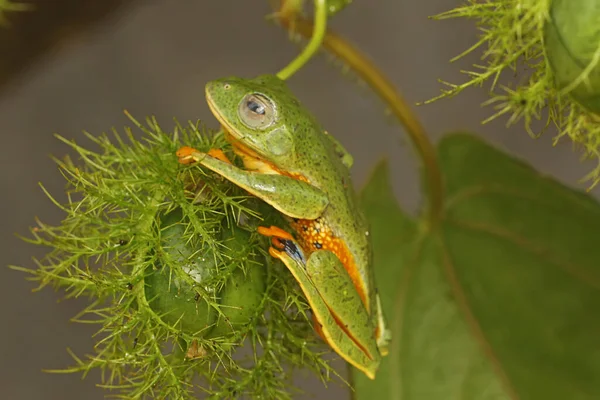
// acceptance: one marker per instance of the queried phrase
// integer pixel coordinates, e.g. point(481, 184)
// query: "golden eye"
point(256, 111)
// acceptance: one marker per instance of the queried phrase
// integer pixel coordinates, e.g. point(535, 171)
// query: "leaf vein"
point(541, 251)
point(581, 206)
point(471, 321)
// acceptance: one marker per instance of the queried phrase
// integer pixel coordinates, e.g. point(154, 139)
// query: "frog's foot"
point(284, 249)
point(283, 242)
point(186, 154)
point(219, 155)
point(275, 232)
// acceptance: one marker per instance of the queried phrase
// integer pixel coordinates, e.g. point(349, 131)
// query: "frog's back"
point(342, 228)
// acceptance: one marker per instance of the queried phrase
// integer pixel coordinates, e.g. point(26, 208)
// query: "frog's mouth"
point(239, 147)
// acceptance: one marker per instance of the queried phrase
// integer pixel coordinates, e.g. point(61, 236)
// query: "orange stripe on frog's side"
point(317, 235)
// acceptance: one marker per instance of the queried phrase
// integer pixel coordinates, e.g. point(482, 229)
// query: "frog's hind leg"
point(337, 289)
point(279, 239)
point(326, 324)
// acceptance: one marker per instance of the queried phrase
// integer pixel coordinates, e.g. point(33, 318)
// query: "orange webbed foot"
point(185, 154)
point(219, 155)
point(275, 232)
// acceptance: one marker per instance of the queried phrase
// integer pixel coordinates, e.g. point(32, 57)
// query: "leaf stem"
point(369, 72)
point(316, 38)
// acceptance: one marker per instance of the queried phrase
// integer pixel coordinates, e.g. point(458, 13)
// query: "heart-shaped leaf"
point(502, 301)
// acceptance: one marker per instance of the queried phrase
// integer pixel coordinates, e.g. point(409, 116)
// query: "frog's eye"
point(256, 111)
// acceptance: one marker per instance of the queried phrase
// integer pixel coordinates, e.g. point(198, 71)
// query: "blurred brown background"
point(153, 57)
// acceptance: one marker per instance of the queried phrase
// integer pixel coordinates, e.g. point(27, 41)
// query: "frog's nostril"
point(226, 86)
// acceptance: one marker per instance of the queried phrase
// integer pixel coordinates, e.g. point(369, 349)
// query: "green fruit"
point(177, 302)
point(571, 39)
point(244, 290)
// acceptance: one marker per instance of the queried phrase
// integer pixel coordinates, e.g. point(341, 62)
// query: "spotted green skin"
point(296, 145)
point(326, 284)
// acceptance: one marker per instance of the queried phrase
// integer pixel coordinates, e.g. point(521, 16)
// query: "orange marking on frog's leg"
point(317, 235)
point(218, 154)
point(185, 154)
point(342, 252)
point(344, 327)
point(319, 329)
point(274, 231)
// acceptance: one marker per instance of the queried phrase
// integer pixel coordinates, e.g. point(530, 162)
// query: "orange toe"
point(274, 231)
point(185, 154)
point(218, 154)
point(274, 253)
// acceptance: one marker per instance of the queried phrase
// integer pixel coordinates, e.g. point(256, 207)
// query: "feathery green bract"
point(513, 35)
point(116, 247)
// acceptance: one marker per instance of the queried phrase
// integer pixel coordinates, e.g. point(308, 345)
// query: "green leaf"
point(500, 302)
point(393, 234)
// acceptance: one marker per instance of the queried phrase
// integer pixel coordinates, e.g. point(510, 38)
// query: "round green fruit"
point(178, 302)
point(572, 41)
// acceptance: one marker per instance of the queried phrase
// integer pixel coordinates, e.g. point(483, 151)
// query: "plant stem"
point(316, 38)
point(367, 70)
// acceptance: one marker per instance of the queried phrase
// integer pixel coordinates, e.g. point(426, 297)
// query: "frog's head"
point(259, 115)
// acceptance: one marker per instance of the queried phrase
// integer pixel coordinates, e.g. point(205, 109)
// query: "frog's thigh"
point(335, 336)
point(338, 291)
point(292, 197)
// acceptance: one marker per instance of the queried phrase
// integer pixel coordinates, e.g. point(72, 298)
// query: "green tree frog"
point(291, 163)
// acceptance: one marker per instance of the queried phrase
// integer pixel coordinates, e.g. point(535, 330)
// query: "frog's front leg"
point(336, 306)
point(293, 197)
